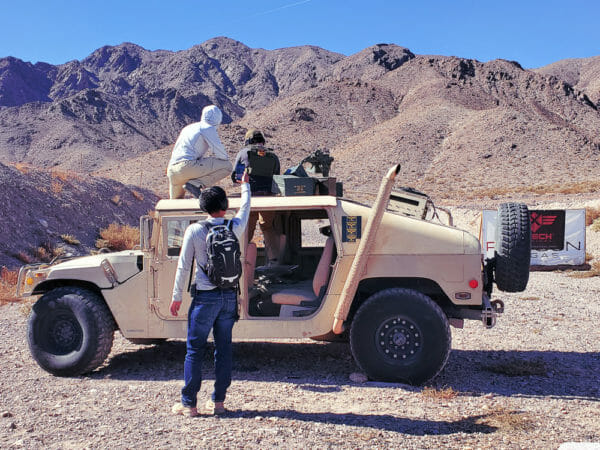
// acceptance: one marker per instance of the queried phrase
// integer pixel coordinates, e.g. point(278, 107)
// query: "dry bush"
point(508, 420)
point(595, 225)
point(47, 251)
point(56, 187)
point(23, 168)
point(518, 368)
point(64, 176)
point(591, 214)
point(588, 257)
point(8, 285)
point(118, 237)
point(593, 272)
point(137, 195)
point(70, 239)
point(432, 393)
point(116, 200)
point(23, 257)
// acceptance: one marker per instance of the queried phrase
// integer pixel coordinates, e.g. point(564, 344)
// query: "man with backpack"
point(261, 163)
point(214, 244)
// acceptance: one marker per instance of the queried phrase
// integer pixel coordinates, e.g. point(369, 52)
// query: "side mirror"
point(145, 232)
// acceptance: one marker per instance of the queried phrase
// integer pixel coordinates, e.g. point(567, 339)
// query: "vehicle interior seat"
point(308, 291)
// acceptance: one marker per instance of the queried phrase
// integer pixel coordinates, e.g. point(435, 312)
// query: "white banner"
point(572, 251)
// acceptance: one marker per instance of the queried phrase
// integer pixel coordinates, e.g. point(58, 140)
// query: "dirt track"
point(299, 394)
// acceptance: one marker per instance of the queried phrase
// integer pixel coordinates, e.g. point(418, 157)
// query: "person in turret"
point(262, 163)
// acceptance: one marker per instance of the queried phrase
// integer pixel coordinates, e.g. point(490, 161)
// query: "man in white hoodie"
point(188, 160)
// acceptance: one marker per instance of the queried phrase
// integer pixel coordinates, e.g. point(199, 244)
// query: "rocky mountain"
point(122, 101)
point(458, 126)
point(45, 210)
point(581, 73)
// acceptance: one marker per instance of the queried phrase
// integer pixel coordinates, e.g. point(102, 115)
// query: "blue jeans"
point(215, 309)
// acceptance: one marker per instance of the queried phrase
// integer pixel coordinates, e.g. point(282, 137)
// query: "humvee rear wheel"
point(513, 247)
point(400, 335)
point(70, 331)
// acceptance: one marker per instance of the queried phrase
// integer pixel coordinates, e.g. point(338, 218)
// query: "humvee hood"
point(125, 265)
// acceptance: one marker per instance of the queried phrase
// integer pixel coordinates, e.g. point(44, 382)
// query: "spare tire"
point(513, 247)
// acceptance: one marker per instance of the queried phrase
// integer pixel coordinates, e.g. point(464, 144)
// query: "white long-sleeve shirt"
point(194, 247)
point(195, 139)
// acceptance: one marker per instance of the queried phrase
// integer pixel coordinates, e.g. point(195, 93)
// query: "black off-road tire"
point(70, 331)
point(513, 247)
point(400, 335)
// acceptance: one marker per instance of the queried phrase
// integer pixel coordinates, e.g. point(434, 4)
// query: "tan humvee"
point(386, 276)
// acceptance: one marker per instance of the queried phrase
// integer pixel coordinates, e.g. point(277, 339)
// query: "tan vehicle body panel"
point(404, 247)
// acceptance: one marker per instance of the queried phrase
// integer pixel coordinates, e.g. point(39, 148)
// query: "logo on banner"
point(547, 229)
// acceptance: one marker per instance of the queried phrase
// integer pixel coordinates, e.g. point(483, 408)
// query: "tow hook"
point(491, 311)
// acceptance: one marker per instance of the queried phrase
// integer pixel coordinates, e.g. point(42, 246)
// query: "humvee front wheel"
point(400, 335)
point(70, 331)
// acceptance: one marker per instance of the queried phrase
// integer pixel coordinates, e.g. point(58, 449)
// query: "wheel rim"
point(63, 333)
point(398, 339)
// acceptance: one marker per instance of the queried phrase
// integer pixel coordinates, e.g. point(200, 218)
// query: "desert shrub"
point(508, 419)
point(46, 252)
point(118, 237)
point(137, 195)
point(595, 225)
point(591, 215)
point(116, 200)
point(23, 168)
point(433, 393)
point(70, 239)
point(64, 176)
point(593, 272)
point(56, 187)
point(23, 257)
point(8, 285)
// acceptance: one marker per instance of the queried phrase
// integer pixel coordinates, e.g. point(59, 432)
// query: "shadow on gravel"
point(413, 427)
point(325, 367)
point(523, 373)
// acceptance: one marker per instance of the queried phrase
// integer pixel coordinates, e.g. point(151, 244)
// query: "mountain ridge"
point(118, 106)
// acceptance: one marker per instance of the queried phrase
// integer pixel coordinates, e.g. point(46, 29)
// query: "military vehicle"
point(391, 277)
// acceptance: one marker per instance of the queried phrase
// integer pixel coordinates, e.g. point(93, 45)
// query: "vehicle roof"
point(291, 202)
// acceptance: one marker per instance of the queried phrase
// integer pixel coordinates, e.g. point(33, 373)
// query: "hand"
point(245, 177)
point(174, 307)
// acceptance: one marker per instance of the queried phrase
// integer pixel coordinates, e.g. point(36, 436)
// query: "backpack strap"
point(207, 226)
point(189, 287)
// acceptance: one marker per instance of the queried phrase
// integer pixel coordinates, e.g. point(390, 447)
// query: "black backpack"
point(223, 266)
point(262, 162)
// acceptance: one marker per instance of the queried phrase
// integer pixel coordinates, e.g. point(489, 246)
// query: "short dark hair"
point(213, 199)
point(254, 137)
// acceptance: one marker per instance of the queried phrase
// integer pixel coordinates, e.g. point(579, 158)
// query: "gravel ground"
point(533, 381)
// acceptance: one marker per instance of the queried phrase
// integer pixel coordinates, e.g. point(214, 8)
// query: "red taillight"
point(473, 284)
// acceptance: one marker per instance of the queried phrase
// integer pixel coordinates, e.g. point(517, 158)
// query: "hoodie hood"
point(211, 115)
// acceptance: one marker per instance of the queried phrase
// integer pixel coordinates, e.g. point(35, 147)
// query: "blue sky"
point(534, 33)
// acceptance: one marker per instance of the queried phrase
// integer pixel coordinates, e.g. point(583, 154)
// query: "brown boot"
point(182, 410)
point(215, 408)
